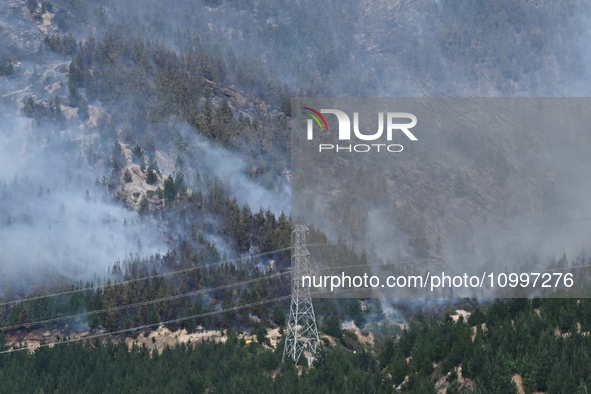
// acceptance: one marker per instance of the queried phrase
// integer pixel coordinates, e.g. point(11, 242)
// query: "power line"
point(172, 273)
point(149, 325)
point(143, 303)
point(178, 320)
point(29, 324)
point(181, 319)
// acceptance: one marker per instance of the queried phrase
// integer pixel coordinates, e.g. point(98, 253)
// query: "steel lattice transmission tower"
point(302, 333)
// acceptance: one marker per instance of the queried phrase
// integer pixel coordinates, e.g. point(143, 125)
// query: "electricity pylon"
point(302, 332)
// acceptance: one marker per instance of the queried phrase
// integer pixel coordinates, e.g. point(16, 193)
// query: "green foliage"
point(495, 378)
point(387, 353)
point(170, 189)
point(65, 45)
point(179, 163)
point(279, 315)
point(6, 68)
point(118, 158)
point(153, 165)
point(62, 23)
point(153, 315)
point(43, 112)
point(355, 311)
point(137, 155)
point(77, 6)
point(144, 206)
point(453, 376)
point(261, 334)
point(75, 77)
point(180, 184)
point(151, 176)
point(454, 388)
point(270, 361)
point(582, 389)
point(32, 5)
point(375, 311)
point(516, 341)
point(332, 326)
point(477, 317)
point(205, 67)
point(58, 109)
point(516, 338)
point(127, 176)
point(122, 69)
point(29, 109)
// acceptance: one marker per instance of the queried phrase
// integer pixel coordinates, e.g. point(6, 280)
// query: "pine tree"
point(32, 5)
point(169, 189)
point(59, 115)
point(29, 109)
point(144, 206)
point(356, 313)
point(454, 388)
point(332, 326)
point(127, 176)
point(151, 177)
point(137, 155)
point(205, 67)
point(181, 185)
point(118, 157)
point(261, 334)
point(279, 315)
point(377, 310)
point(179, 163)
point(387, 353)
point(82, 112)
point(153, 164)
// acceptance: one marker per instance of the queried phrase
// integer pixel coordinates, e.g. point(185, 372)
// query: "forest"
point(167, 126)
point(545, 341)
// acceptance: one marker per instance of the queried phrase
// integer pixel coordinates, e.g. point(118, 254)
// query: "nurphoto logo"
point(344, 130)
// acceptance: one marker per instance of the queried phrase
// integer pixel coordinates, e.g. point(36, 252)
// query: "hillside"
point(150, 174)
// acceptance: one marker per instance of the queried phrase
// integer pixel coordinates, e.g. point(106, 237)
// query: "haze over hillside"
point(147, 173)
point(173, 83)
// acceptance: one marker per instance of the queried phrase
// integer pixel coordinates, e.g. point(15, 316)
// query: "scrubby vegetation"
point(153, 83)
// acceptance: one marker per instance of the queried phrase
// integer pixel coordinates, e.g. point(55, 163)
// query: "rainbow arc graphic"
point(315, 115)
